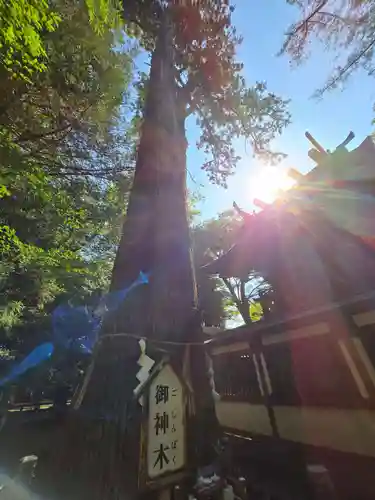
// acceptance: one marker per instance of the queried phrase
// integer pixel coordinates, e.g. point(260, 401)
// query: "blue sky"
point(262, 24)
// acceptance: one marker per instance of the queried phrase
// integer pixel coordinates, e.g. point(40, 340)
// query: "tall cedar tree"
point(193, 71)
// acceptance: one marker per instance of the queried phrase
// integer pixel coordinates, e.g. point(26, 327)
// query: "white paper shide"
point(166, 424)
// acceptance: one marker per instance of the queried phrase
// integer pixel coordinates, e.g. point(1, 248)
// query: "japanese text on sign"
point(166, 427)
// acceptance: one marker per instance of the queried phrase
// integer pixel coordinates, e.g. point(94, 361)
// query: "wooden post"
point(257, 348)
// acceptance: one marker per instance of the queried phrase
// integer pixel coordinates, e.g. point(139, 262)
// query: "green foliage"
point(22, 23)
point(346, 27)
point(52, 245)
point(9, 243)
point(67, 153)
point(212, 238)
point(256, 311)
point(240, 299)
point(10, 314)
point(74, 106)
point(65, 170)
point(103, 15)
point(216, 236)
point(3, 191)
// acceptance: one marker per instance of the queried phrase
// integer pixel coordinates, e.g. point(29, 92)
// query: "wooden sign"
point(166, 433)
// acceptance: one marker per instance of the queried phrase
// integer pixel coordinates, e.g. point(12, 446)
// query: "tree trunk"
point(103, 444)
point(155, 235)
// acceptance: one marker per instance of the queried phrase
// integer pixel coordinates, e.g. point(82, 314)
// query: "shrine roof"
point(325, 222)
point(342, 165)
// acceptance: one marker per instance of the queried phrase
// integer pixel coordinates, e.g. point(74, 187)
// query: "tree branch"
point(260, 285)
point(187, 92)
point(242, 307)
point(346, 68)
point(66, 128)
point(34, 137)
point(344, 20)
point(304, 23)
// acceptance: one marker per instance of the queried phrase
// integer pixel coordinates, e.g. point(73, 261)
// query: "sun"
point(268, 182)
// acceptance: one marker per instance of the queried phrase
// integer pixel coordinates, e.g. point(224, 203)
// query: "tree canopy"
point(24, 24)
point(208, 79)
point(345, 26)
point(67, 146)
point(247, 299)
point(65, 164)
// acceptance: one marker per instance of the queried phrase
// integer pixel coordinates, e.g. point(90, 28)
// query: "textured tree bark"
point(100, 442)
point(155, 235)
